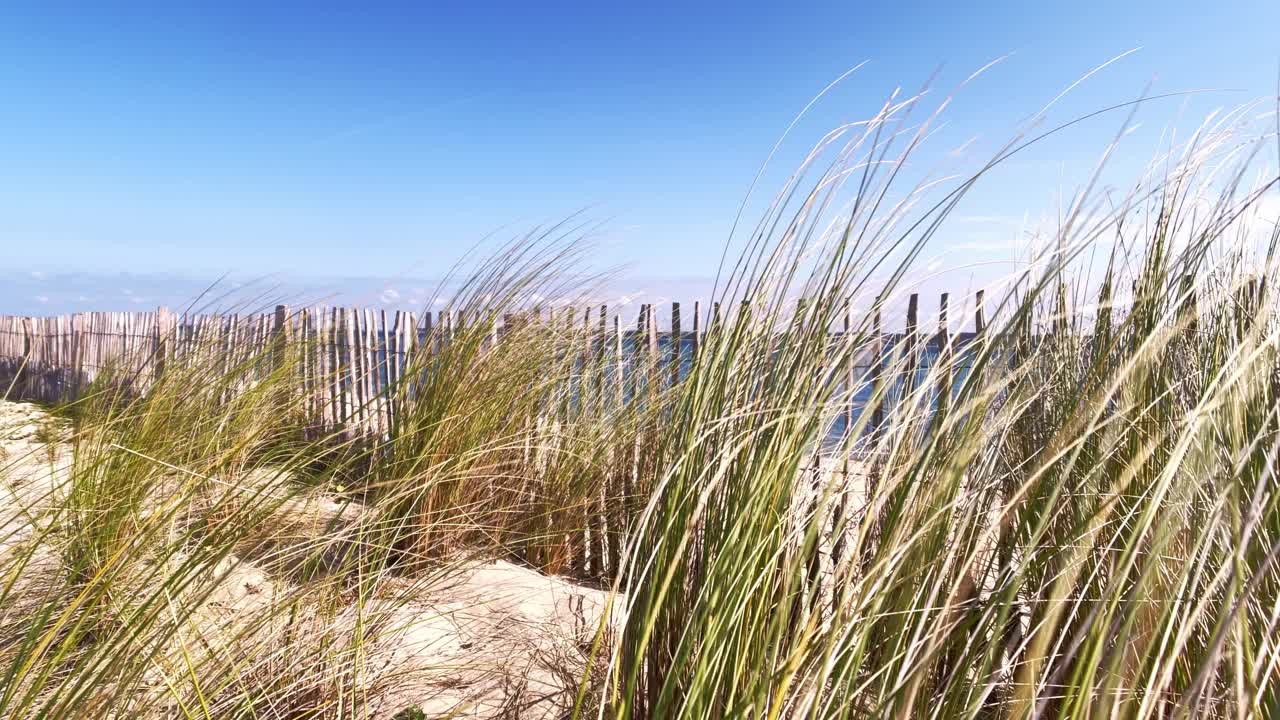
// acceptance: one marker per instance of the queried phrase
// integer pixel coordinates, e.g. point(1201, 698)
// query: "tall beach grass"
point(1075, 515)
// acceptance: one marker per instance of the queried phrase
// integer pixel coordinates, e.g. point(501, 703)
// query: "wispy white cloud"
point(42, 299)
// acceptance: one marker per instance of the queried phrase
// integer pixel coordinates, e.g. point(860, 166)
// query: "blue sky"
point(378, 140)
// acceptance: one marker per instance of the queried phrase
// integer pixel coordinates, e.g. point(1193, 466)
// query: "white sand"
point(487, 637)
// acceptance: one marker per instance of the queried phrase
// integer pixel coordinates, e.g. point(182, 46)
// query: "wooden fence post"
point(23, 378)
point(162, 344)
point(979, 314)
point(620, 386)
point(602, 340)
point(877, 371)
point(651, 335)
point(640, 348)
point(675, 343)
point(944, 354)
point(280, 333)
point(429, 330)
point(910, 339)
point(78, 351)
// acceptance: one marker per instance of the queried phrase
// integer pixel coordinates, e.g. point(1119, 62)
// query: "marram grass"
point(1084, 525)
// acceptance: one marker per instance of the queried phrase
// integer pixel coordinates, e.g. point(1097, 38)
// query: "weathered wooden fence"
point(351, 364)
point(352, 358)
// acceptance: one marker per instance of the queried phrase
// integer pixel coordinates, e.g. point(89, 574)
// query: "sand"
point(484, 640)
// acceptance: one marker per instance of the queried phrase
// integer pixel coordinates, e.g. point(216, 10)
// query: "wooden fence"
point(352, 357)
point(351, 364)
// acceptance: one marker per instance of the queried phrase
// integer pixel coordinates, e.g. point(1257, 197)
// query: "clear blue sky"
point(373, 139)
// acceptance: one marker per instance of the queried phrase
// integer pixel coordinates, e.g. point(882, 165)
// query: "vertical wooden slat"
point(411, 362)
point(319, 374)
point(162, 344)
point(570, 325)
point(90, 346)
point(265, 344)
point(944, 355)
point(344, 379)
point(125, 354)
point(877, 370)
point(979, 314)
point(226, 340)
point(385, 346)
point(319, 388)
point(333, 340)
point(428, 331)
point(359, 398)
point(299, 335)
point(100, 326)
point(375, 381)
point(612, 543)
point(369, 359)
point(586, 374)
point(24, 367)
point(675, 343)
point(619, 360)
point(695, 345)
point(369, 327)
point(279, 336)
point(355, 376)
point(602, 338)
point(651, 335)
point(911, 340)
point(639, 349)
point(373, 386)
point(315, 373)
point(77, 354)
point(395, 347)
